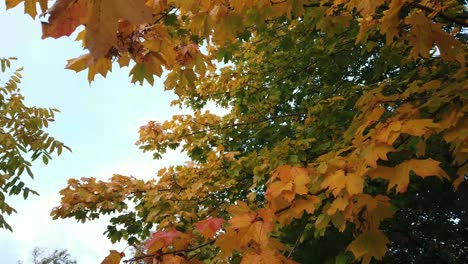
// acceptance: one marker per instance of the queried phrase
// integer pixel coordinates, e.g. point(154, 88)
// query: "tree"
point(22, 139)
point(347, 123)
point(43, 256)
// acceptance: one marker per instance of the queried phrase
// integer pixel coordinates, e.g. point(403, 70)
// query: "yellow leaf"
point(300, 205)
point(101, 66)
point(12, 3)
point(80, 63)
point(339, 204)
point(418, 127)
point(124, 60)
point(376, 151)
point(114, 257)
point(368, 245)
point(390, 20)
point(354, 183)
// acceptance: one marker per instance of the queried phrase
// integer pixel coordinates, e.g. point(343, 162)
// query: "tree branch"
point(175, 252)
point(456, 20)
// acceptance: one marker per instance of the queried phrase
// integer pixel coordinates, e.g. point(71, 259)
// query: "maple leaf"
point(390, 20)
point(101, 66)
point(300, 205)
point(301, 180)
point(29, 6)
point(228, 242)
point(65, 17)
point(80, 63)
point(339, 204)
point(101, 27)
point(376, 151)
point(368, 245)
point(114, 257)
point(266, 256)
point(421, 34)
point(399, 175)
point(173, 259)
point(209, 227)
point(293, 180)
point(161, 239)
point(335, 182)
point(367, 7)
point(280, 188)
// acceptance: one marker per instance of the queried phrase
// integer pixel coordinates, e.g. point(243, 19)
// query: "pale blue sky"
point(98, 121)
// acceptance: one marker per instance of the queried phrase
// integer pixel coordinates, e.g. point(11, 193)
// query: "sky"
point(99, 122)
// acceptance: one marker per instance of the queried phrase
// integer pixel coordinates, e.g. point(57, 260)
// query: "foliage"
point(346, 117)
point(22, 139)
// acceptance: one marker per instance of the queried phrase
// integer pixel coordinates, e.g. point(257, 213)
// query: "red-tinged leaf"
point(161, 239)
point(114, 257)
point(65, 17)
point(209, 227)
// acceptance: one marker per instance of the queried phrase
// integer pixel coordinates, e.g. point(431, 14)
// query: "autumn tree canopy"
point(346, 137)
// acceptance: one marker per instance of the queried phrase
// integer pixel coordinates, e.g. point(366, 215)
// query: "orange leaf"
point(399, 175)
point(228, 242)
point(301, 180)
point(172, 259)
point(336, 182)
point(209, 227)
point(65, 17)
point(300, 205)
point(114, 257)
point(241, 221)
